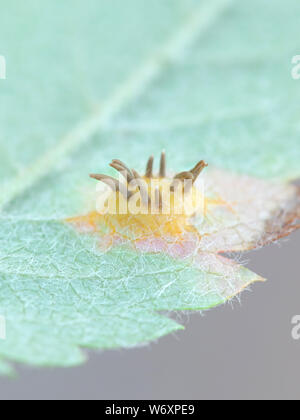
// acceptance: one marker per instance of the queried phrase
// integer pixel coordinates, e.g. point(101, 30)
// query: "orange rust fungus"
point(142, 207)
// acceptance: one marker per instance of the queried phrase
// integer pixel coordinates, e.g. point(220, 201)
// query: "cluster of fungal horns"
point(134, 179)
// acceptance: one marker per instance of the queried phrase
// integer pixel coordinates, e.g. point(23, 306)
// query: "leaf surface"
point(91, 81)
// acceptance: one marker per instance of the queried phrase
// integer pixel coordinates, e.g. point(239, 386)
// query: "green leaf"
point(91, 81)
point(59, 292)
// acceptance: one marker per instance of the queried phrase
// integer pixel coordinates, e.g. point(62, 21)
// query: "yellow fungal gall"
point(151, 211)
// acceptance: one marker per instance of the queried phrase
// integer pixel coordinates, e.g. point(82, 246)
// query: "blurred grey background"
point(242, 350)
